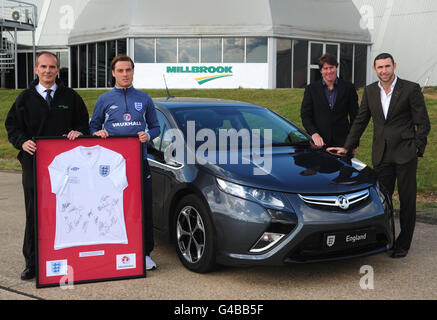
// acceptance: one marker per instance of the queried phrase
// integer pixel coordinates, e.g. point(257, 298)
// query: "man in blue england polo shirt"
point(127, 111)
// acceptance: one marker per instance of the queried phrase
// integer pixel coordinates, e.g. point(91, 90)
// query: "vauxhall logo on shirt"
point(128, 119)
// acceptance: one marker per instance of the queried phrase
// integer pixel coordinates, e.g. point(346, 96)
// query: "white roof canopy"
point(327, 20)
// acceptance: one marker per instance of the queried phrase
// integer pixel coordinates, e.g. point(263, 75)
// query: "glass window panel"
point(144, 50)
point(63, 63)
point(256, 50)
point(110, 54)
point(188, 51)
point(243, 118)
point(315, 75)
point(283, 63)
point(332, 49)
point(166, 50)
point(74, 66)
point(121, 46)
point(92, 65)
point(346, 58)
point(316, 52)
point(62, 58)
point(22, 68)
point(300, 63)
point(156, 143)
point(211, 50)
point(101, 65)
point(233, 50)
point(31, 68)
point(360, 66)
point(82, 66)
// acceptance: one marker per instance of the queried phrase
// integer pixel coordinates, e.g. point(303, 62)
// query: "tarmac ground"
point(377, 277)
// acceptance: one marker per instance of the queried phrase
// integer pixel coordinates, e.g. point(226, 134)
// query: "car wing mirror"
point(170, 156)
point(174, 163)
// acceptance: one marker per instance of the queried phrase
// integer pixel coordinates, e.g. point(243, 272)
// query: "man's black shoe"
point(28, 274)
point(399, 253)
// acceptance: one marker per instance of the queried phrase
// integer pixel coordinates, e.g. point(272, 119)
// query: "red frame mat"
point(91, 263)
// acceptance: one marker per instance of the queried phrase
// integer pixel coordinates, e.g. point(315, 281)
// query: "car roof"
point(183, 102)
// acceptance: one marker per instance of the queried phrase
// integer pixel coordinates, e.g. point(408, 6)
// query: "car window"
point(166, 141)
point(238, 118)
point(281, 130)
point(164, 125)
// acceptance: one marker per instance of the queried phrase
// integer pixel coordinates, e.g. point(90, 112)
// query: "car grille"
point(343, 202)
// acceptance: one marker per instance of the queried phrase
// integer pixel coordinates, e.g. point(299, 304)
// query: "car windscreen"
point(233, 125)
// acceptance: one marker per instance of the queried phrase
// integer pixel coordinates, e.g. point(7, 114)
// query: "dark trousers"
point(405, 175)
point(149, 243)
point(29, 232)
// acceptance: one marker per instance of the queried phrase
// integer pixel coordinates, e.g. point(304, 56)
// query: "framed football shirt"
point(89, 184)
point(88, 210)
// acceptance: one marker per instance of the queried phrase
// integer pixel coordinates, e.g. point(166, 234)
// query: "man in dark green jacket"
point(46, 109)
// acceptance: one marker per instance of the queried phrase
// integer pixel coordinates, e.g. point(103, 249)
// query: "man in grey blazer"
point(400, 129)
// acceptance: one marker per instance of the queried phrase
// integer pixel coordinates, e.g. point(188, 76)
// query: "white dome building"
point(255, 43)
point(217, 44)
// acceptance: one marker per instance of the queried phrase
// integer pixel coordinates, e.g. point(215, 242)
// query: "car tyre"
point(194, 235)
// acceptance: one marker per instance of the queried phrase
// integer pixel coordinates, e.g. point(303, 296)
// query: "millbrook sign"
point(218, 71)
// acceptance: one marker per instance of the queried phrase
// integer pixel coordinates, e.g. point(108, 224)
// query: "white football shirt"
point(89, 183)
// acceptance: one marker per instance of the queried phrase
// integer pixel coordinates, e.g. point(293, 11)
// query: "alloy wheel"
point(190, 233)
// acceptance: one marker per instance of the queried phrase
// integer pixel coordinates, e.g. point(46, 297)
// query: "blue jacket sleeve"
point(152, 120)
point(98, 118)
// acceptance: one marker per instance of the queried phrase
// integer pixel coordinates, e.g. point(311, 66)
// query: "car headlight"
point(267, 198)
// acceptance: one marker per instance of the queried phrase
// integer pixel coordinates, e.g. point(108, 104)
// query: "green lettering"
point(203, 69)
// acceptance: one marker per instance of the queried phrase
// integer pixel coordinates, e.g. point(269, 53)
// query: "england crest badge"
point(104, 171)
point(330, 241)
point(138, 106)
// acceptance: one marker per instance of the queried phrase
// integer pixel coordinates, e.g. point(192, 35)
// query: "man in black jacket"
point(47, 108)
point(329, 106)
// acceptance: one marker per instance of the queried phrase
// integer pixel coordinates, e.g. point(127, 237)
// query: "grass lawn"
point(285, 102)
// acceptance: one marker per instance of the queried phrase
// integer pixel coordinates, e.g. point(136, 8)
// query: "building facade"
point(230, 44)
point(227, 44)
